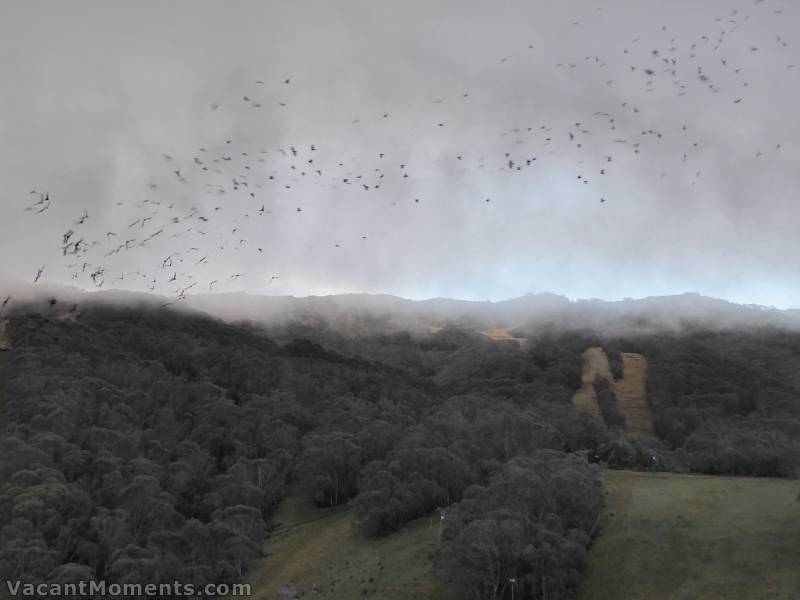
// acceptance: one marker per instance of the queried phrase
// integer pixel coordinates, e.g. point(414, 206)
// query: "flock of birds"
point(243, 181)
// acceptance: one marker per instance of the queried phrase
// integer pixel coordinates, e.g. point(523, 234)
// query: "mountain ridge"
point(386, 313)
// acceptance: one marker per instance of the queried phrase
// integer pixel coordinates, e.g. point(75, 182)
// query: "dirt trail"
point(630, 390)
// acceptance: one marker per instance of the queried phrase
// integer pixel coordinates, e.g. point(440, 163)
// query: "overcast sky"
point(694, 103)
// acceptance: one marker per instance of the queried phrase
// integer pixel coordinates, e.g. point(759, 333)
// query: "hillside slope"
point(630, 391)
point(595, 362)
point(667, 537)
point(675, 537)
point(317, 554)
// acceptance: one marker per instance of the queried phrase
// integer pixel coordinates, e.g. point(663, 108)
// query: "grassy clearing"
point(681, 537)
point(325, 559)
point(631, 393)
point(667, 537)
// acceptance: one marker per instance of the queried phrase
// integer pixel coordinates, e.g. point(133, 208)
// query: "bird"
point(6, 301)
point(38, 275)
point(30, 208)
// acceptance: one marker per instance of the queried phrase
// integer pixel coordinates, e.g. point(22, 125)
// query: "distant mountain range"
point(381, 313)
point(524, 314)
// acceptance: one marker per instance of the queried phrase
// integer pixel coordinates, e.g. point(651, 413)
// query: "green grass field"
point(681, 537)
point(325, 559)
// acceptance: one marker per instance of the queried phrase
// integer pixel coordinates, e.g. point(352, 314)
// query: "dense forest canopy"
point(141, 444)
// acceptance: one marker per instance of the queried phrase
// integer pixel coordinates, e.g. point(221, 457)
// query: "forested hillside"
point(141, 444)
point(728, 402)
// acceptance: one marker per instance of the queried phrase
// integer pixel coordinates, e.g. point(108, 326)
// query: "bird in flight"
point(38, 275)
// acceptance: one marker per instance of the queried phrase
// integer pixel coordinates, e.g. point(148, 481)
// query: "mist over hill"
point(383, 313)
point(528, 314)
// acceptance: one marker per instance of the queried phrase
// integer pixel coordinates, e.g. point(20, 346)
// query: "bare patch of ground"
point(632, 394)
point(501, 334)
point(595, 362)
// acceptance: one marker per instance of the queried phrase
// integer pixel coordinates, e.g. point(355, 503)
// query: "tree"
point(607, 401)
point(330, 464)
